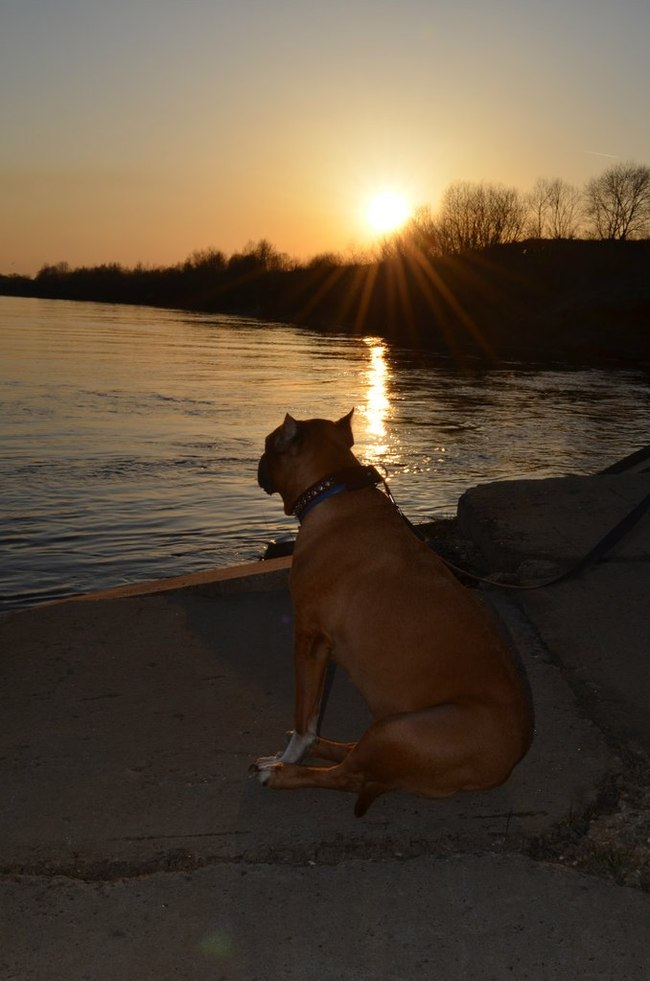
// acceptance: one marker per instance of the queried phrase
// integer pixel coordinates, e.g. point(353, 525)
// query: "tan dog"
point(451, 708)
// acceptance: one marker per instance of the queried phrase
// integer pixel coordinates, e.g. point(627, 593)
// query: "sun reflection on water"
point(377, 409)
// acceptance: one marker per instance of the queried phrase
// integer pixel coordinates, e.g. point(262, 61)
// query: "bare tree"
point(58, 269)
point(506, 212)
point(420, 235)
point(474, 216)
point(554, 209)
point(618, 202)
point(258, 257)
point(325, 260)
point(206, 260)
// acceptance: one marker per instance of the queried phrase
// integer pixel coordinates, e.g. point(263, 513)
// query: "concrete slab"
point(133, 845)
point(129, 725)
point(556, 521)
point(597, 624)
point(608, 655)
point(486, 918)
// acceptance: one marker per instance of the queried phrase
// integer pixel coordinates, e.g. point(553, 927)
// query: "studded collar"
point(349, 479)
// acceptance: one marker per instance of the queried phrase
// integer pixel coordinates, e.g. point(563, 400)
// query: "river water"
point(129, 436)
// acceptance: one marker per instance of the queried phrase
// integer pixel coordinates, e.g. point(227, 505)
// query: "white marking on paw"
point(298, 746)
point(264, 772)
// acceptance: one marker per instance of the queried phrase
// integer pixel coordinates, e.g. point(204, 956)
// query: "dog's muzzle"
point(263, 478)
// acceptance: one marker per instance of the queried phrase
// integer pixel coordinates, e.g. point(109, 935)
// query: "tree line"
point(614, 206)
point(553, 273)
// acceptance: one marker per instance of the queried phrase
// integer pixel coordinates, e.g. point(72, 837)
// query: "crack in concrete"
point(179, 860)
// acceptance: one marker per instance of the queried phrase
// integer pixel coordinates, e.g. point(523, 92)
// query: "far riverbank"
point(580, 302)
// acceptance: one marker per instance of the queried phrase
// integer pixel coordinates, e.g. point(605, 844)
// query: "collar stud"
point(349, 479)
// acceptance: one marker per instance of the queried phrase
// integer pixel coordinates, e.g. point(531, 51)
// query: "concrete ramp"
point(129, 725)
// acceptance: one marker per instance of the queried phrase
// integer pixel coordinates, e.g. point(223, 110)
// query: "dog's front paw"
point(264, 767)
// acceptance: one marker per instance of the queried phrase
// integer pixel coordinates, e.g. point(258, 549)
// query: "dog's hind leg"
point(287, 776)
point(434, 752)
point(369, 793)
point(293, 776)
point(328, 749)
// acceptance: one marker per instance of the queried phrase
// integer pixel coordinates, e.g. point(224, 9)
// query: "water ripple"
point(129, 437)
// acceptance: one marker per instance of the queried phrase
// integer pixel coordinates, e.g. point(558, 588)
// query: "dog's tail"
point(369, 793)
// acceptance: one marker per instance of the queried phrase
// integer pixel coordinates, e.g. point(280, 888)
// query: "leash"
point(613, 536)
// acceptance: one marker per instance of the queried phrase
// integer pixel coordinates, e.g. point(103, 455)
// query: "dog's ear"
point(287, 433)
point(345, 426)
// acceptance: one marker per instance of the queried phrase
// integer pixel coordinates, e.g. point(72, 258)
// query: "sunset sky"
point(141, 130)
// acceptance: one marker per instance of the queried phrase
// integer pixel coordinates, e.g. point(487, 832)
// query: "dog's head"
point(300, 452)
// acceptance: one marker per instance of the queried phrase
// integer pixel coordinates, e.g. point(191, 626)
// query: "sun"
point(387, 211)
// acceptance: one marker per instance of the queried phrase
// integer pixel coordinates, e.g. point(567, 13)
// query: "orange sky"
point(140, 130)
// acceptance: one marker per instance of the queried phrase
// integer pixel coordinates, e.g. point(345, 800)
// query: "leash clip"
point(384, 480)
point(407, 522)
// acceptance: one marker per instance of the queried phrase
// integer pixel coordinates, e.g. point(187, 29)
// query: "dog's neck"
point(348, 479)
